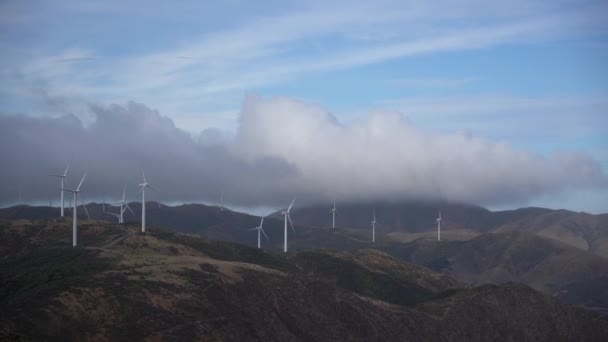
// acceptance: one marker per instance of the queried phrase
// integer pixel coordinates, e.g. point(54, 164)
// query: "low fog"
point(282, 148)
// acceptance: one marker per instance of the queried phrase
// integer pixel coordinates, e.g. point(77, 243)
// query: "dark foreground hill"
point(123, 285)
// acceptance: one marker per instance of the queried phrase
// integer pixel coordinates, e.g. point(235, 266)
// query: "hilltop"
point(121, 285)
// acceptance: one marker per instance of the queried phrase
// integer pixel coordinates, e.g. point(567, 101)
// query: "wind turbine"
point(114, 214)
point(374, 227)
point(333, 216)
point(123, 206)
point(260, 230)
point(74, 213)
point(143, 187)
point(439, 220)
point(287, 217)
point(62, 177)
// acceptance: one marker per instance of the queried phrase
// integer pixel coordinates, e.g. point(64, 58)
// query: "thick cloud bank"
point(283, 148)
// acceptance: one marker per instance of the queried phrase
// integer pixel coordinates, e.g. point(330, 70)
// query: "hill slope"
point(124, 285)
point(547, 265)
point(407, 221)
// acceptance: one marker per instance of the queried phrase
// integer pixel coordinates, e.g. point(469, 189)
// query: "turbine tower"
point(439, 220)
point(287, 217)
point(374, 227)
point(333, 216)
point(260, 230)
point(74, 213)
point(143, 187)
point(62, 177)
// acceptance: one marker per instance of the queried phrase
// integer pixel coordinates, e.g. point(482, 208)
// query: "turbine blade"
point(290, 223)
point(127, 206)
point(81, 181)
point(153, 187)
point(124, 192)
point(263, 232)
point(86, 210)
point(65, 173)
point(262, 222)
point(291, 205)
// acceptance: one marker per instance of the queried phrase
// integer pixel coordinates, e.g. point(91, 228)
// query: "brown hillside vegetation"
point(122, 285)
point(547, 265)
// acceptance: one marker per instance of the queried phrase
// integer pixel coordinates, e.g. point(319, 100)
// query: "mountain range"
point(557, 252)
point(403, 221)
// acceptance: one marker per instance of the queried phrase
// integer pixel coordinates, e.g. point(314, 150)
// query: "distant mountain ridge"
point(581, 230)
point(404, 221)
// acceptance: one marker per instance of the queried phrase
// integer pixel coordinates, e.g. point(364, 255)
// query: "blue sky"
point(532, 74)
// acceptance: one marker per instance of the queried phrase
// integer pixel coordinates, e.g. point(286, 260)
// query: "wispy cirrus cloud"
point(316, 38)
point(431, 82)
point(509, 116)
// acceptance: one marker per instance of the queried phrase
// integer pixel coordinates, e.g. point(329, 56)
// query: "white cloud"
point(282, 148)
point(388, 157)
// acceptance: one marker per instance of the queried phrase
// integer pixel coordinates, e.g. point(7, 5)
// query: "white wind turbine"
point(123, 207)
point(143, 187)
point(74, 213)
point(62, 177)
point(287, 217)
point(333, 216)
point(439, 220)
point(374, 227)
point(113, 214)
point(260, 230)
